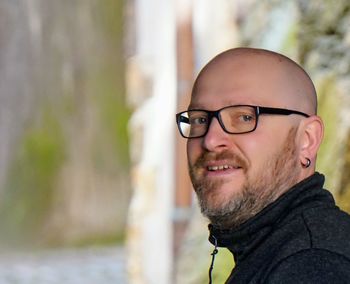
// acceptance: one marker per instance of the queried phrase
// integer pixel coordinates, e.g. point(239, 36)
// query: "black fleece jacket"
point(303, 237)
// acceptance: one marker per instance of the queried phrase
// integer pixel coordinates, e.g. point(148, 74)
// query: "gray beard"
point(274, 179)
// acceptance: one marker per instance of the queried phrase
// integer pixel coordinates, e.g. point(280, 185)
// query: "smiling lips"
point(216, 164)
point(221, 168)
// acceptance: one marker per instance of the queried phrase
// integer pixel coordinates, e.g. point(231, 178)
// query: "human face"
point(231, 209)
point(236, 175)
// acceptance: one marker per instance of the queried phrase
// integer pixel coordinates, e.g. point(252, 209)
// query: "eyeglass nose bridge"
point(211, 115)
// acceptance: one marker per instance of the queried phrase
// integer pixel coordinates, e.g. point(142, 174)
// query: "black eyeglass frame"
point(216, 113)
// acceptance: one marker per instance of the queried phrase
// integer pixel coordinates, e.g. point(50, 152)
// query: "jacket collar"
point(243, 239)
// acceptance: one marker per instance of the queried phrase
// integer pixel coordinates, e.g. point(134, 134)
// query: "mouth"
point(222, 168)
point(223, 165)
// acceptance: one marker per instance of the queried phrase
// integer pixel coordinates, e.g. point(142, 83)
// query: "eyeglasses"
point(237, 119)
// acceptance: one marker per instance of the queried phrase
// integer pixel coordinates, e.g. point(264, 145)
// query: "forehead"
point(252, 80)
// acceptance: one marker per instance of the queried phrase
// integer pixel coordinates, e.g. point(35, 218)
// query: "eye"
point(198, 120)
point(246, 118)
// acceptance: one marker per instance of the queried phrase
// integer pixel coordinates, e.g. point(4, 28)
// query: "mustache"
point(224, 155)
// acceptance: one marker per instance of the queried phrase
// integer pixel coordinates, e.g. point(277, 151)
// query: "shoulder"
point(316, 249)
point(323, 228)
point(329, 229)
point(311, 266)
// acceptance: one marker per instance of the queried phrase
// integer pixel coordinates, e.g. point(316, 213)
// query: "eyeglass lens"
point(233, 119)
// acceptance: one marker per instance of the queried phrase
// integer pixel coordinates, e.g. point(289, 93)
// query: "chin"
point(216, 201)
point(229, 190)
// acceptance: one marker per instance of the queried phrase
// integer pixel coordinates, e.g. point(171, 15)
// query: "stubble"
point(275, 177)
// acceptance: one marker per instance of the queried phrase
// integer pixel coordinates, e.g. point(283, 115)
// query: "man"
point(253, 136)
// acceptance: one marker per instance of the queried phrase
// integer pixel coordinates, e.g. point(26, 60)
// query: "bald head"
point(259, 77)
point(240, 161)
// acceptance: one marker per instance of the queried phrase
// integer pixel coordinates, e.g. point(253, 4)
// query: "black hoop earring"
point(308, 163)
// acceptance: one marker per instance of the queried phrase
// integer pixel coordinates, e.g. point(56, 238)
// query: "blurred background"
point(93, 175)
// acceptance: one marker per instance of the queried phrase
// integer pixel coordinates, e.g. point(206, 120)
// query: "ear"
point(311, 136)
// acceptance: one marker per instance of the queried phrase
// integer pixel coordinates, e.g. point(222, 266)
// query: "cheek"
point(194, 150)
point(259, 148)
point(264, 147)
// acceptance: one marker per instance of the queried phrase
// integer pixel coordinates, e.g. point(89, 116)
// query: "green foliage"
point(223, 265)
point(111, 16)
point(114, 115)
point(106, 84)
point(291, 39)
point(343, 197)
point(89, 104)
point(32, 177)
point(327, 108)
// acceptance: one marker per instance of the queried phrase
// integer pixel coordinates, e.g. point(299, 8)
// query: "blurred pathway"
point(68, 266)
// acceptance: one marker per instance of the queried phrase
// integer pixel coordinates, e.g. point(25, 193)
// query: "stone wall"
point(313, 33)
point(316, 34)
point(323, 44)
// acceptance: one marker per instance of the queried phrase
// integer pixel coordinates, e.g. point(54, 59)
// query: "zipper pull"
point(213, 254)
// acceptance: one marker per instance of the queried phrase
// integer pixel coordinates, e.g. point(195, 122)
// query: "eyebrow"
point(195, 106)
point(191, 106)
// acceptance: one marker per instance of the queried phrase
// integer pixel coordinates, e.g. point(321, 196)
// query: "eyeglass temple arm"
point(267, 110)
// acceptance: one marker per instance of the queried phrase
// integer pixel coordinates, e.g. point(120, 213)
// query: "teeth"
point(219, 168)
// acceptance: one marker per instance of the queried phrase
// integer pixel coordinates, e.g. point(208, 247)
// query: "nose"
point(216, 138)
